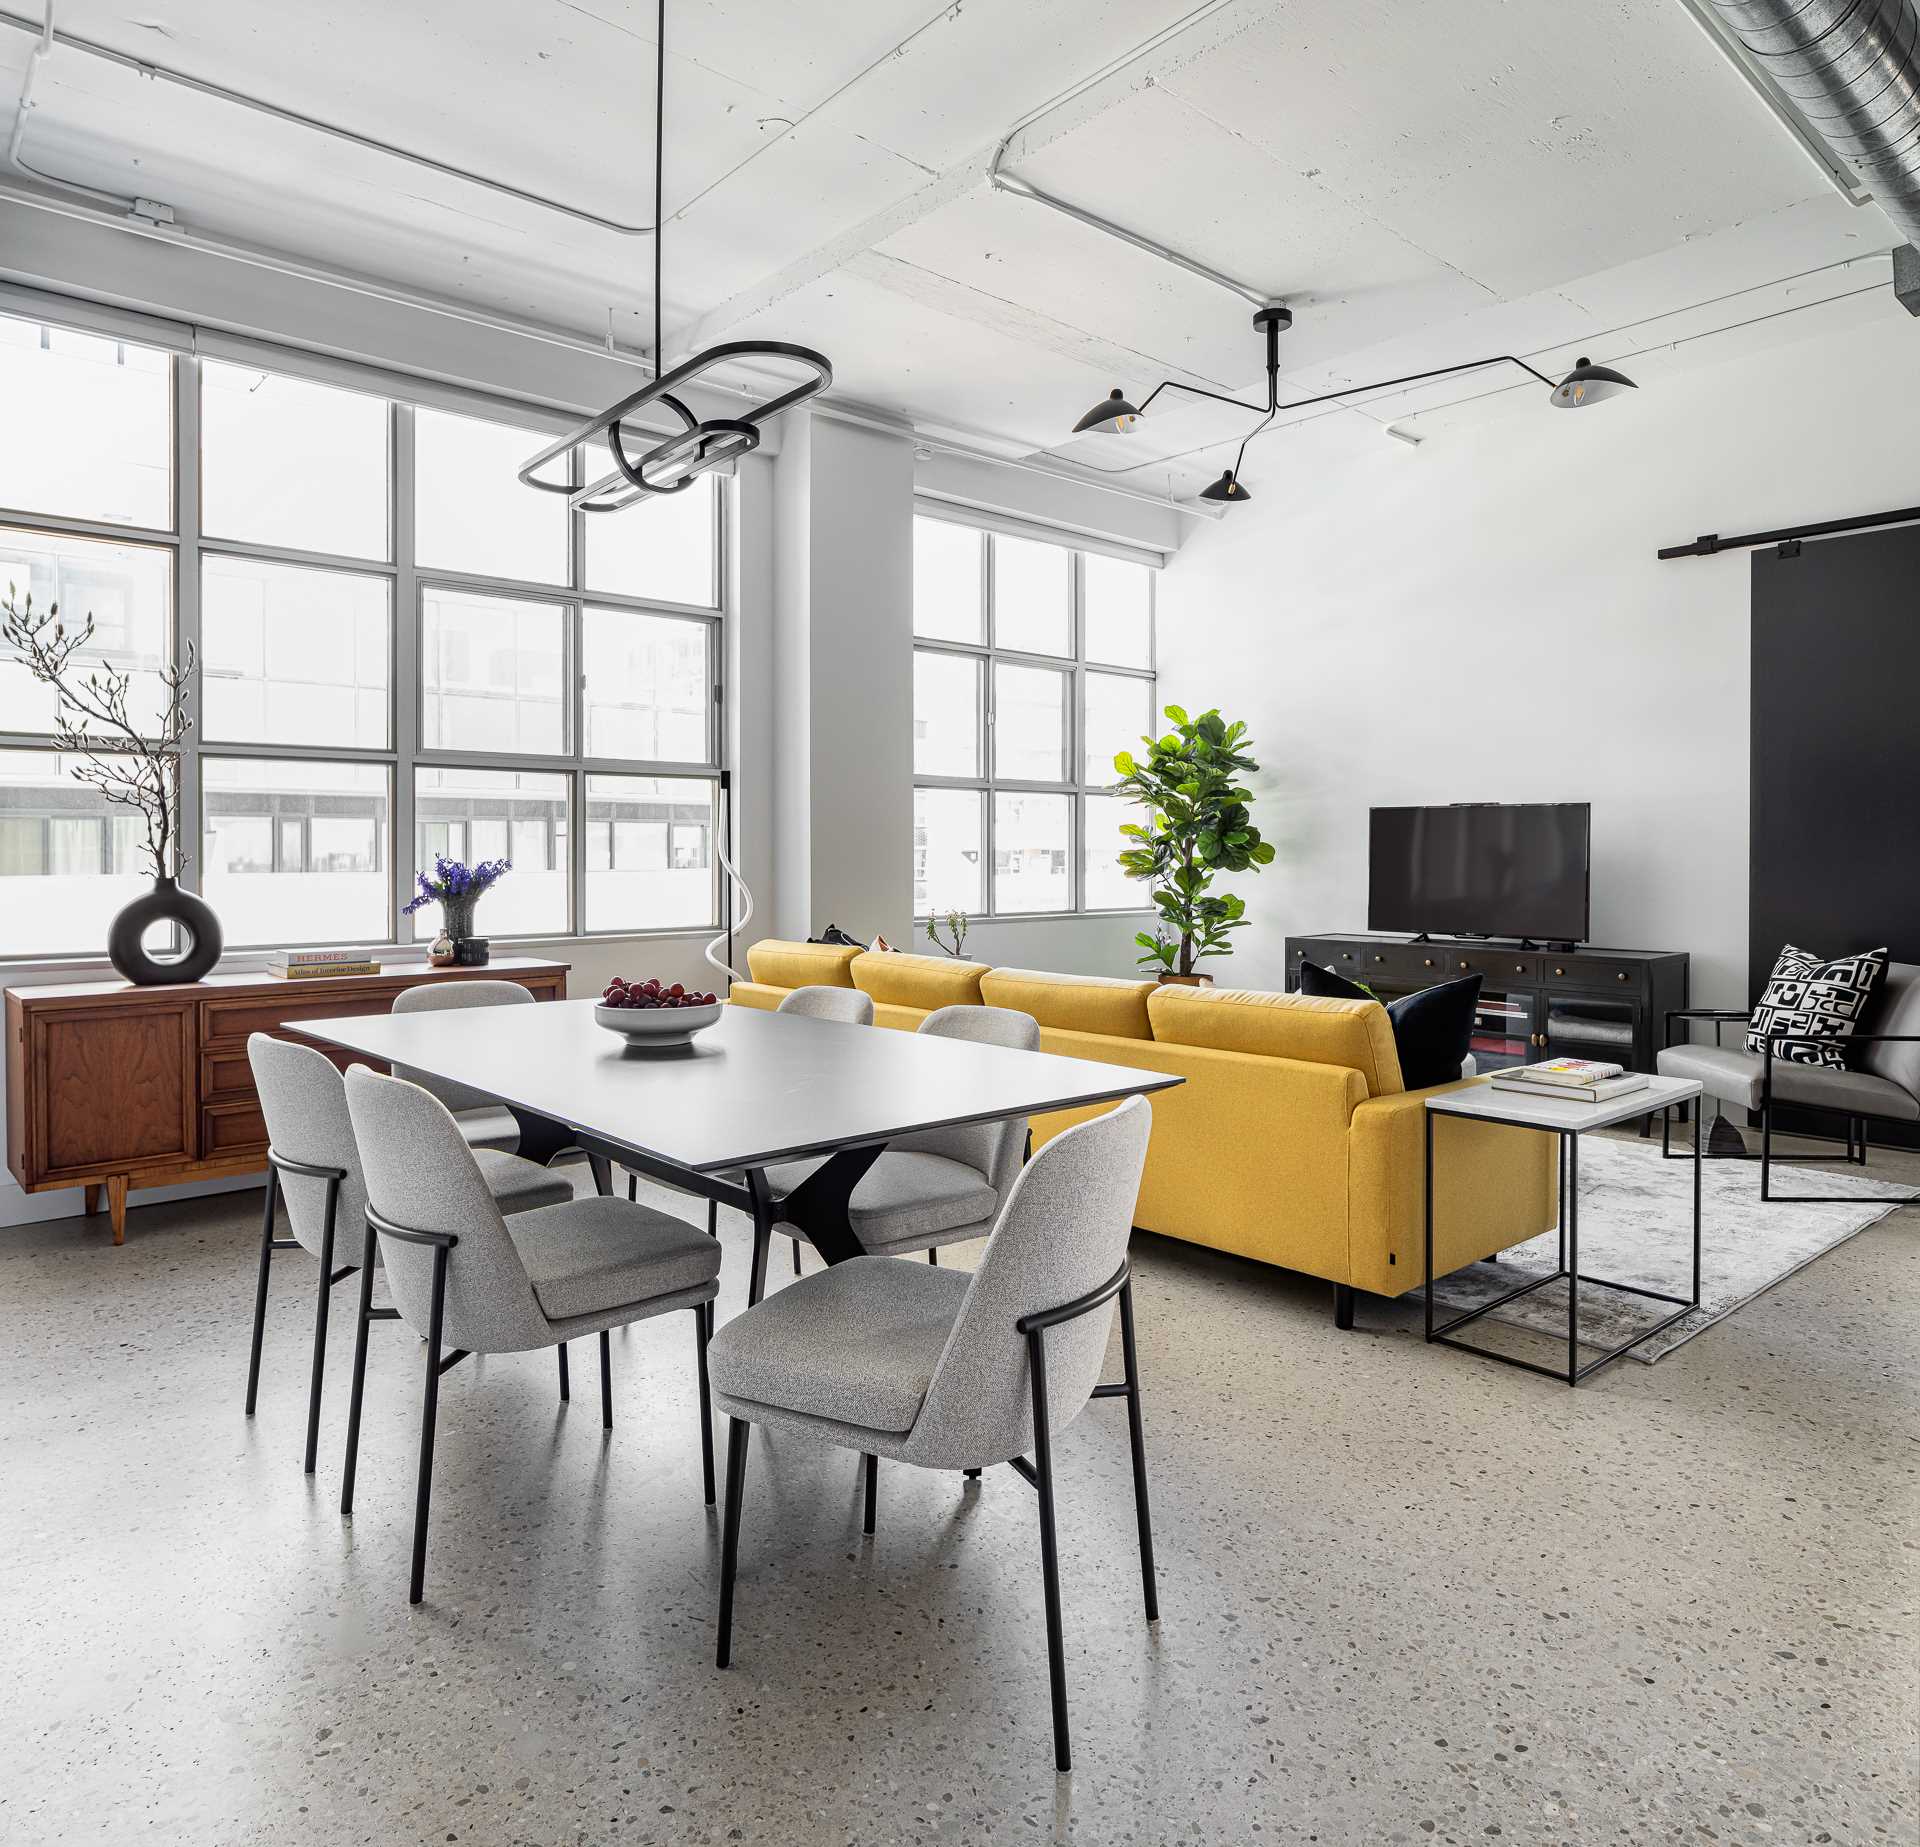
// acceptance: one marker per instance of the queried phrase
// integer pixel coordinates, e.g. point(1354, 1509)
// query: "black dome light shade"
point(1113, 413)
point(1588, 384)
point(1227, 489)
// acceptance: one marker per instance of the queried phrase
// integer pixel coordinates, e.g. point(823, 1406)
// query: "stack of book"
point(1585, 1080)
point(312, 964)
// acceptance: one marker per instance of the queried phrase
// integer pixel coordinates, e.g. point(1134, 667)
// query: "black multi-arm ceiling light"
point(700, 445)
point(1585, 384)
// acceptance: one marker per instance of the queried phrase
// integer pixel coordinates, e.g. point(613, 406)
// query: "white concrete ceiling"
point(1423, 181)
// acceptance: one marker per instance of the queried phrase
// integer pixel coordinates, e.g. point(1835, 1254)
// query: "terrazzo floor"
point(1407, 1595)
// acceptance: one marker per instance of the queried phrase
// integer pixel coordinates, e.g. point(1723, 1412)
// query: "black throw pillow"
point(1432, 1030)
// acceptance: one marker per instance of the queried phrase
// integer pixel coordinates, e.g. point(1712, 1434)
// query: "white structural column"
point(843, 679)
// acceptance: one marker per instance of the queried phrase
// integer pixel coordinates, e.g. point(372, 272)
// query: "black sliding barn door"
point(1836, 748)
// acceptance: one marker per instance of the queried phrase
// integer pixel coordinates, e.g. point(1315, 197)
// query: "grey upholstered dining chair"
point(951, 1371)
point(461, 1274)
point(312, 1161)
point(940, 1186)
point(483, 1120)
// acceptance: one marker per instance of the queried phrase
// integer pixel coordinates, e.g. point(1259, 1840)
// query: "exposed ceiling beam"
point(1164, 55)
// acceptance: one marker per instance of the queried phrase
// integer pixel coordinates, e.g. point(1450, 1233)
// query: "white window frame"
point(1075, 668)
point(186, 546)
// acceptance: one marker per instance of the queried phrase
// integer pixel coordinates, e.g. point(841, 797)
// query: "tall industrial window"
point(402, 652)
point(1032, 667)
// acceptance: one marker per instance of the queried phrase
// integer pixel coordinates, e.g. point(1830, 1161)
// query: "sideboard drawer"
point(227, 1023)
point(1499, 964)
point(1409, 964)
point(1591, 972)
point(229, 1130)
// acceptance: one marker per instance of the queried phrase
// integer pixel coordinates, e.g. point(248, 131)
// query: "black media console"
point(1534, 1003)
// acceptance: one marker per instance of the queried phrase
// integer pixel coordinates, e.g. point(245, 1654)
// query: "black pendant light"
point(1588, 384)
point(1112, 413)
point(670, 464)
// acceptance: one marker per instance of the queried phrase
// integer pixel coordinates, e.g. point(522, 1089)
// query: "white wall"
point(1452, 623)
point(843, 679)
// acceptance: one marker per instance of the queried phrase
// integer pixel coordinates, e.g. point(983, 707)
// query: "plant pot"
point(1184, 981)
point(166, 903)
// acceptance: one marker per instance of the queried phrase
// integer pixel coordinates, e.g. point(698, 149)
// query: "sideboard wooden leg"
point(117, 1205)
point(93, 1200)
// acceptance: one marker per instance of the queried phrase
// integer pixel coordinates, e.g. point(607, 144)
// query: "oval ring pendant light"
point(671, 463)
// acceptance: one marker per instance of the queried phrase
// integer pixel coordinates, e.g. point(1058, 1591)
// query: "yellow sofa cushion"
point(899, 980)
point(1353, 1033)
point(780, 964)
point(1107, 1004)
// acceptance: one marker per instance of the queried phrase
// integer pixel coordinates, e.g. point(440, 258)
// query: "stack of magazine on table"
point(312, 964)
point(1582, 1080)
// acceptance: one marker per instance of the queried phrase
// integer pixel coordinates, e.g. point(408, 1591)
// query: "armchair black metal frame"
point(1855, 1154)
point(277, 1164)
point(1038, 1474)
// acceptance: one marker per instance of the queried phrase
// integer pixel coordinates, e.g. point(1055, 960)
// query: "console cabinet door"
point(112, 1087)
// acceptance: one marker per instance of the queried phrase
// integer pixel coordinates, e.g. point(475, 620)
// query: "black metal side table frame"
point(1567, 1268)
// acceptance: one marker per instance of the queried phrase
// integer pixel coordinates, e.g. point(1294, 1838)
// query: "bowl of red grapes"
point(654, 1012)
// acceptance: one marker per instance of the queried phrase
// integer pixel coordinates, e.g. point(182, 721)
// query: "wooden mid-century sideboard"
point(113, 1087)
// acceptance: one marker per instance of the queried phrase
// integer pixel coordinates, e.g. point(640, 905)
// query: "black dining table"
point(752, 1091)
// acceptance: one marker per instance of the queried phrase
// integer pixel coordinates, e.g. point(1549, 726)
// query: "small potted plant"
point(457, 888)
point(1197, 824)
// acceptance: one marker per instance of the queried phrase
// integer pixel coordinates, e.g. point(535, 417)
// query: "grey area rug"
point(1636, 1226)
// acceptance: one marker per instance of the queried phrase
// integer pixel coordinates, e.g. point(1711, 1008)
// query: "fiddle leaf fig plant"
point(1190, 785)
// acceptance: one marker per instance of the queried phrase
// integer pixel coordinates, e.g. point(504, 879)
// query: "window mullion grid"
point(403, 668)
point(990, 762)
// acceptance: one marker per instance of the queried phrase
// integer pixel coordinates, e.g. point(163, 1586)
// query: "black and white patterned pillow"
point(1806, 998)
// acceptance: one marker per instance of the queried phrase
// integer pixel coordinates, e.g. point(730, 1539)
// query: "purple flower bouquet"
point(457, 887)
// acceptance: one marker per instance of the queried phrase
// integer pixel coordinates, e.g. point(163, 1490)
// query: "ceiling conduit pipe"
point(1852, 69)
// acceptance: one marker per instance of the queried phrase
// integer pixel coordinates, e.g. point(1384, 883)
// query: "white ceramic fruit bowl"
point(658, 1025)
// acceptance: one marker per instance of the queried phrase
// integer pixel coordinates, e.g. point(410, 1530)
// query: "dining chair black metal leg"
point(933, 1256)
point(873, 1492)
point(606, 1381)
point(737, 1429)
point(701, 1336)
point(327, 1280)
point(429, 1412)
point(713, 1218)
point(566, 1380)
point(260, 1289)
point(796, 1256)
point(633, 1186)
point(1049, 1550)
point(359, 1378)
point(1136, 1436)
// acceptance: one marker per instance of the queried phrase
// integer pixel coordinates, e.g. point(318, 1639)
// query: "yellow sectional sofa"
point(1292, 1140)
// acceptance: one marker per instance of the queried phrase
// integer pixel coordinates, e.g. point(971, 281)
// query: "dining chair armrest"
point(1776, 1040)
point(446, 1240)
point(308, 1168)
point(1043, 1318)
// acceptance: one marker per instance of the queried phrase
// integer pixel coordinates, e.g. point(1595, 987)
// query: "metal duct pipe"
point(1852, 68)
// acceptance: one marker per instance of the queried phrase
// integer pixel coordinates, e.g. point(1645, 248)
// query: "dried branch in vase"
point(129, 767)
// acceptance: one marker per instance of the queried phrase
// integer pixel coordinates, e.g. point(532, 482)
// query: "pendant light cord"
point(659, 165)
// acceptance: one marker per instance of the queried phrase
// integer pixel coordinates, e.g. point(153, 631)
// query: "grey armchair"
point(950, 1371)
point(313, 1161)
point(940, 1186)
point(483, 1119)
point(1882, 1084)
point(460, 1274)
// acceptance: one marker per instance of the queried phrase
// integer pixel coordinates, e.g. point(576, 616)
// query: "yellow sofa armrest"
point(1248, 1155)
point(1493, 1186)
point(761, 994)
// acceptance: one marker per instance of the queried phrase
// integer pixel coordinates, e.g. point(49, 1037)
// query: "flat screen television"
point(1481, 869)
